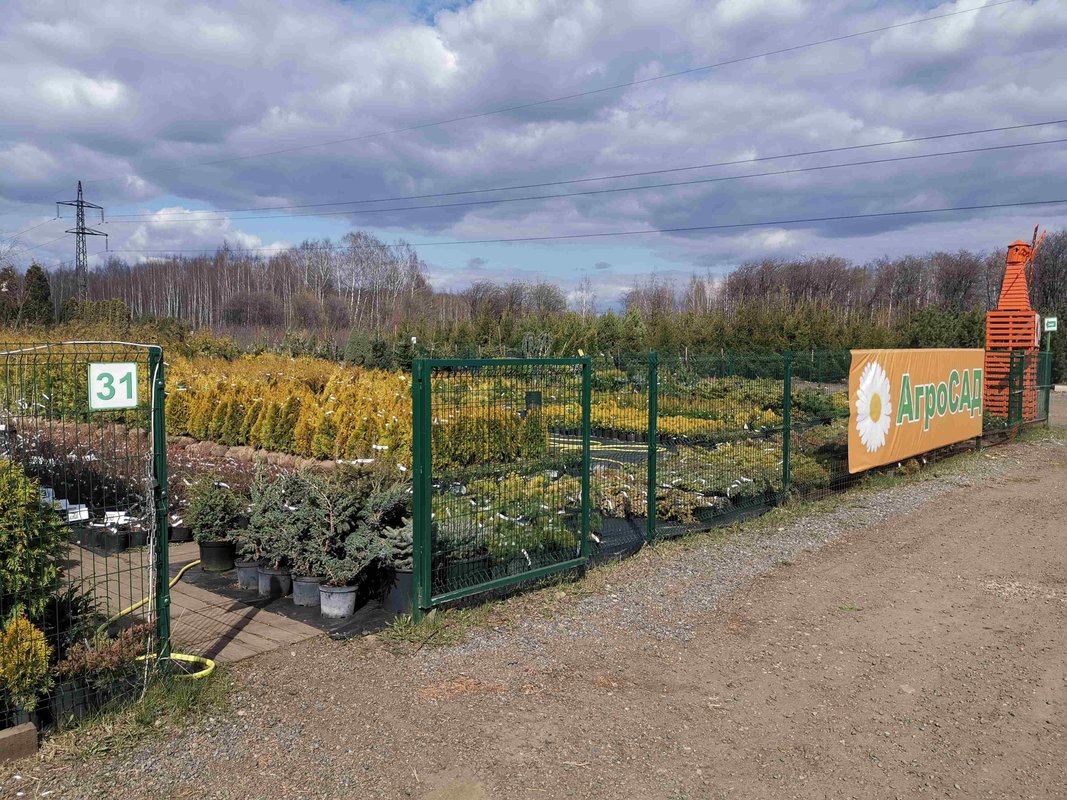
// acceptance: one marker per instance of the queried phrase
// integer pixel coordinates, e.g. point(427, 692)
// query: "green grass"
point(439, 628)
point(168, 704)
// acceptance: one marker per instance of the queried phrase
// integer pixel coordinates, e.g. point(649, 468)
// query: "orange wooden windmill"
point(1013, 327)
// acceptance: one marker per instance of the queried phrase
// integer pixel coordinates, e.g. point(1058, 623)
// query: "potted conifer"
point(213, 513)
point(342, 545)
point(266, 541)
point(343, 569)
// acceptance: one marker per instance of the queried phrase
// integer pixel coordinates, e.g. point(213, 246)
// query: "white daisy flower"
point(874, 407)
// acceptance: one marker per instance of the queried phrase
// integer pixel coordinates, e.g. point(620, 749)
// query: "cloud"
point(135, 98)
point(602, 265)
point(162, 232)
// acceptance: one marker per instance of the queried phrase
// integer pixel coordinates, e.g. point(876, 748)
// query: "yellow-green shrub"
point(24, 671)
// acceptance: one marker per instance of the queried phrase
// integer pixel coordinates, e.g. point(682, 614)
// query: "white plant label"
point(112, 386)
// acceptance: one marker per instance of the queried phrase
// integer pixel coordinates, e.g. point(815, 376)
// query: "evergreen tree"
point(10, 287)
point(37, 307)
point(358, 349)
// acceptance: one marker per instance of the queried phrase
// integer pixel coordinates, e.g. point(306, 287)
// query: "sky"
point(161, 108)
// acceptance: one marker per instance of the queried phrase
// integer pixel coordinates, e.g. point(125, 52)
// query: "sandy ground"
point(915, 648)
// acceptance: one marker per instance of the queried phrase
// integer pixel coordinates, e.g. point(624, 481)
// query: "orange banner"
point(906, 402)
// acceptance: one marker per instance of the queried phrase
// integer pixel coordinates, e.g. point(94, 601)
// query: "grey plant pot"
point(337, 602)
point(306, 591)
point(248, 574)
point(275, 582)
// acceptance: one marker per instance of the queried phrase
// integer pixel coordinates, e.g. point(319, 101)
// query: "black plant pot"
point(91, 537)
point(216, 556)
point(458, 573)
point(112, 542)
point(306, 591)
point(81, 534)
point(398, 599)
point(248, 574)
point(180, 534)
point(138, 539)
point(71, 700)
point(275, 582)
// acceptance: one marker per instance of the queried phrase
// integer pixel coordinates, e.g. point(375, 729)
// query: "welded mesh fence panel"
point(1017, 385)
point(503, 444)
point(819, 429)
point(619, 451)
point(719, 428)
point(78, 520)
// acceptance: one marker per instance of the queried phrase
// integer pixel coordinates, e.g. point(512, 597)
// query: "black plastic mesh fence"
point(78, 518)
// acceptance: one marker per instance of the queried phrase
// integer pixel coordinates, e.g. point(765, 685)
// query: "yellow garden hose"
point(209, 665)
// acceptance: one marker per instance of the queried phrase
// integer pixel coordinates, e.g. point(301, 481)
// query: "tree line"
point(370, 302)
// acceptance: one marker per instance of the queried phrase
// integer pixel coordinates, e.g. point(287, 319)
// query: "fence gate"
point(83, 548)
point(501, 469)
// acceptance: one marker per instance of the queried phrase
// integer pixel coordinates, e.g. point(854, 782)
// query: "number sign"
point(112, 386)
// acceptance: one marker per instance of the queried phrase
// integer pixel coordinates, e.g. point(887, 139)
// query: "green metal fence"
point(721, 423)
point(674, 444)
point(1029, 387)
point(501, 453)
point(82, 526)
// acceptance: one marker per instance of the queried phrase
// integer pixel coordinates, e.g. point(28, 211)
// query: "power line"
point(36, 246)
point(615, 190)
point(572, 96)
point(691, 229)
point(572, 181)
point(14, 236)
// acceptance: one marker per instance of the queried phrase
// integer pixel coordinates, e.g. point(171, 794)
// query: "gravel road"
point(909, 642)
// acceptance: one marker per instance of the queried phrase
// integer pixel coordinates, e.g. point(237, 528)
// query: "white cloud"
point(163, 231)
point(99, 91)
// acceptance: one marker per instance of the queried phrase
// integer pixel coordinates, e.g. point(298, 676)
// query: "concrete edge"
point(18, 742)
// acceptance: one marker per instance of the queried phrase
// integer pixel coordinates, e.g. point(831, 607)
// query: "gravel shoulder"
point(904, 642)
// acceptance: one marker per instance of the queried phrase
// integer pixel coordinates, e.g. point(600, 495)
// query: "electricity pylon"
point(81, 255)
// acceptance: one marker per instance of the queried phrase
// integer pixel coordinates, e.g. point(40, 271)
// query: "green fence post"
point(787, 424)
point(653, 444)
point(420, 500)
point(1046, 379)
point(587, 403)
point(157, 381)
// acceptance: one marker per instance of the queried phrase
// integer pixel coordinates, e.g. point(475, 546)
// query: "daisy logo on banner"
point(906, 402)
point(874, 407)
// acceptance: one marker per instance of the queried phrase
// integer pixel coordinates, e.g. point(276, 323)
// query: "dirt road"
point(911, 643)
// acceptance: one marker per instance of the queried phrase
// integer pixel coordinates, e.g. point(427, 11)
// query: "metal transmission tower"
point(81, 255)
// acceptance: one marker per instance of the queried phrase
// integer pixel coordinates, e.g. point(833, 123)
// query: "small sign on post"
point(1051, 324)
point(112, 386)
